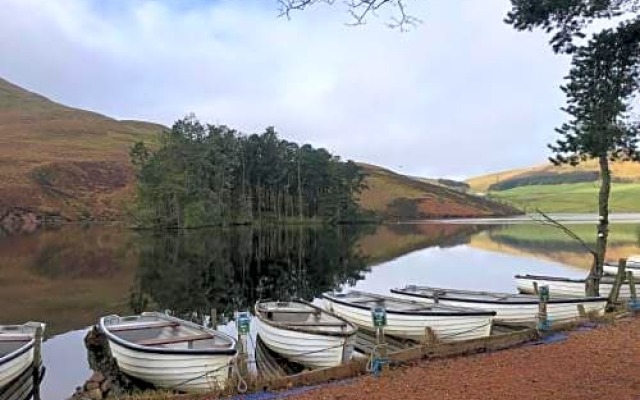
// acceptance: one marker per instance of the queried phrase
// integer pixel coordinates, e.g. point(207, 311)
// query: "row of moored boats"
point(176, 354)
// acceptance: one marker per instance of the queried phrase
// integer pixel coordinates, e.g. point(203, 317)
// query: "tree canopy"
point(212, 174)
point(567, 19)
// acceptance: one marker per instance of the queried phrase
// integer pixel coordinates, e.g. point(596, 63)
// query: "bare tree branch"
point(548, 221)
point(359, 10)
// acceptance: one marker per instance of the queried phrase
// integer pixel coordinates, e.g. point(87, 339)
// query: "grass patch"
point(575, 197)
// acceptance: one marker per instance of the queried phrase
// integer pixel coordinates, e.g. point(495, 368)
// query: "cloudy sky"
point(461, 94)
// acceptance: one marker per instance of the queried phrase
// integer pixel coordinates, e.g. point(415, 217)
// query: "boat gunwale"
point(25, 347)
point(463, 313)
point(304, 329)
point(553, 300)
point(17, 352)
point(609, 281)
point(167, 350)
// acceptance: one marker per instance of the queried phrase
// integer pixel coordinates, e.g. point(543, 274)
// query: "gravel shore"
point(601, 363)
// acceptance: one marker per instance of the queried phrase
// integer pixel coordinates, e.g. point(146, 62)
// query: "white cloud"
point(459, 95)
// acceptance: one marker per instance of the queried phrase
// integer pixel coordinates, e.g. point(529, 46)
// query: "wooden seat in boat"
point(15, 338)
point(179, 339)
point(135, 327)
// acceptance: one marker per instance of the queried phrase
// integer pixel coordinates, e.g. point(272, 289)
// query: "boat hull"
point(14, 367)
point(613, 269)
point(310, 350)
point(567, 288)
point(447, 328)
point(525, 314)
point(184, 372)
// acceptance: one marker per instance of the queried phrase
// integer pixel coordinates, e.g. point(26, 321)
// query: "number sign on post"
point(243, 322)
point(379, 315)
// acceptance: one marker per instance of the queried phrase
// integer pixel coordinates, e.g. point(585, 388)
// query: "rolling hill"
point(61, 161)
point(399, 197)
point(562, 188)
point(65, 163)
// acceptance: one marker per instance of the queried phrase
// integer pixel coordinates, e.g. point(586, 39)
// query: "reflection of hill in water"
point(67, 277)
point(392, 241)
point(550, 244)
point(71, 276)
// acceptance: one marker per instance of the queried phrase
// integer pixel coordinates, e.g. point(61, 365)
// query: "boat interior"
point(156, 331)
point(293, 313)
point(434, 293)
point(392, 304)
point(13, 337)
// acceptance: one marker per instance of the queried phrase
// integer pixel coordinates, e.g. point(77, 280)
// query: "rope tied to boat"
point(242, 385)
point(375, 362)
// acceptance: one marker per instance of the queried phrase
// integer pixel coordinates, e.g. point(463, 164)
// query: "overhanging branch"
point(359, 10)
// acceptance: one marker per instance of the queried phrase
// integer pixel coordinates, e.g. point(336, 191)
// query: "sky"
point(459, 95)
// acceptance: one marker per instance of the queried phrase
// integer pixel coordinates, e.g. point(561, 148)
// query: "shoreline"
point(602, 361)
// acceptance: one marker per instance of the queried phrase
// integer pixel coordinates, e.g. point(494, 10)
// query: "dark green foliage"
point(548, 178)
point(230, 268)
point(210, 175)
point(567, 19)
point(602, 81)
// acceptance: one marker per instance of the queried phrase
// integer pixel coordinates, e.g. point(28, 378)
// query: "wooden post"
point(615, 291)
point(535, 288)
point(242, 325)
point(37, 361)
point(430, 337)
point(633, 300)
point(213, 318)
point(543, 297)
point(581, 311)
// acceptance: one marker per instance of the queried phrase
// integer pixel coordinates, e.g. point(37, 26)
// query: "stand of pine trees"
point(204, 175)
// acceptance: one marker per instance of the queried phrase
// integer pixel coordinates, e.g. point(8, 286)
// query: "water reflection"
point(71, 276)
point(196, 271)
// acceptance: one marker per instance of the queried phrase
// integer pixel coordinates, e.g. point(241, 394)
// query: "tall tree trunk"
point(593, 281)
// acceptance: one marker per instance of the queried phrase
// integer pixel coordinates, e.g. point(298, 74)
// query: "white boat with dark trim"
point(633, 266)
point(567, 287)
point(169, 352)
point(304, 333)
point(17, 347)
point(509, 308)
point(410, 319)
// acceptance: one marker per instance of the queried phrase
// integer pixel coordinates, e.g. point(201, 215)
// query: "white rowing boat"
point(410, 319)
point(633, 266)
point(567, 287)
point(304, 333)
point(17, 344)
point(509, 308)
point(169, 352)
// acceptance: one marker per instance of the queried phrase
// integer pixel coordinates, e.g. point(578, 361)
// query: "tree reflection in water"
point(192, 272)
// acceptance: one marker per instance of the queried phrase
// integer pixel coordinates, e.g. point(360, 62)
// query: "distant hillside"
point(628, 172)
point(63, 161)
point(74, 164)
point(562, 189)
point(399, 197)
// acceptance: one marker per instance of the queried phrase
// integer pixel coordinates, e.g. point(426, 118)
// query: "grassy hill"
point(622, 171)
point(398, 197)
point(61, 161)
point(522, 191)
point(64, 161)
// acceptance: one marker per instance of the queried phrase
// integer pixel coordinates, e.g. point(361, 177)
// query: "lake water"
point(69, 277)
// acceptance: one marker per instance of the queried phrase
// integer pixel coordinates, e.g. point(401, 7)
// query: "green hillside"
point(573, 197)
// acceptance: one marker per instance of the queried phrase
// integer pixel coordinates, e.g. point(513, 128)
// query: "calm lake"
point(69, 277)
